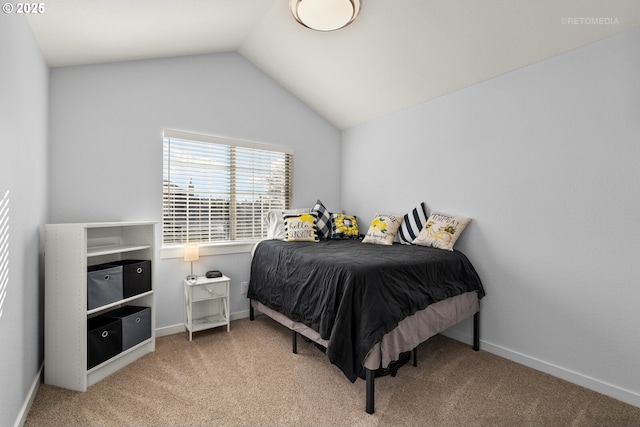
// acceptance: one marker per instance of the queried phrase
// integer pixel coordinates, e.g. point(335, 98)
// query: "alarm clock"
point(213, 273)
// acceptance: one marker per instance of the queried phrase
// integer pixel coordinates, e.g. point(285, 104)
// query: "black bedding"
point(353, 293)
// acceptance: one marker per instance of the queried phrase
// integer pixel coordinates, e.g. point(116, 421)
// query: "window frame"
point(175, 250)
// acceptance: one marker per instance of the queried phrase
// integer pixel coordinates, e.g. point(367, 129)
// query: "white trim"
point(170, 330)
point(33, 391)
point(624, 395)
point(239, 315)
point(104, 224)
point(169, 133)
point(210, 249)
point(179, 328)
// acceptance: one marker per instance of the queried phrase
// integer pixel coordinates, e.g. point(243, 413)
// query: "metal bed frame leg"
point(251, 313)
point(370, 387)
point(369, 374)
point(476, 331)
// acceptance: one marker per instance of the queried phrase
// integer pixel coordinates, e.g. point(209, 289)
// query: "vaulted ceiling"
point(397, 53)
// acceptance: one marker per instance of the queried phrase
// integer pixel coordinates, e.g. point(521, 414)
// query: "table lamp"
point(191, 253)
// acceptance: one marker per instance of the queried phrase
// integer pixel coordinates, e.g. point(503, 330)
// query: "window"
point(218, 190)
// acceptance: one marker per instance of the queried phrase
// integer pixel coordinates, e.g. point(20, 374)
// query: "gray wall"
point(106, 146)
point(23, 169)
point(545, 162)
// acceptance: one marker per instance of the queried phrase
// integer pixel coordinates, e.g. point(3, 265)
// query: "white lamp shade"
point(325, 15)
point(191, 252)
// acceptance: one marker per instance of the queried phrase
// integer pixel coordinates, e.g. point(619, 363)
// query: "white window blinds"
point(217, 190)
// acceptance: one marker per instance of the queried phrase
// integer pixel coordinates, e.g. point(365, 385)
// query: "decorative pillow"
point(383, 229)
point(441, 231)
point(300, 228)
point(274, 222)
point(412, 224)
point(324, 220)
point(344, 226)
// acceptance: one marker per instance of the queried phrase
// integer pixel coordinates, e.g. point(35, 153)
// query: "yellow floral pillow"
point(344, 226)
point(441, 231)
point(300, 228)
point(383, 229)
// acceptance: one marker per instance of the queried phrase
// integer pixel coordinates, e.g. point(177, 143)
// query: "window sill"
point(210, 249)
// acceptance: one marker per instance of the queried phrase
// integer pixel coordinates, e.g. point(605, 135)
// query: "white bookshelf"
point(69, 250)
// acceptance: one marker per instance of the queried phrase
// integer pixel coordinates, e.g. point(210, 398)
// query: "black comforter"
point(352, 293)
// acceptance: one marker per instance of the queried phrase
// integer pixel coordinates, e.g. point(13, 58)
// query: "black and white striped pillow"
point(412, 224)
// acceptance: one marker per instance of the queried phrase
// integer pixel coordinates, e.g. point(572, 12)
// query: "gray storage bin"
point(104, 285)
point(136, 324)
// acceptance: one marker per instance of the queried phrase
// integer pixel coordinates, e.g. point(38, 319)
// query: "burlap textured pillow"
point(441, 231)
point(300, 228)
point(383, 229)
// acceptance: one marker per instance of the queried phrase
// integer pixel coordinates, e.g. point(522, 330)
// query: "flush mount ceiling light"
point(325, 15)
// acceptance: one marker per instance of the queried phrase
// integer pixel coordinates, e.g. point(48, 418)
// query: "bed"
point(366, 304)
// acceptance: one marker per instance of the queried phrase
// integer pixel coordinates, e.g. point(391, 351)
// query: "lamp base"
point(192, 278)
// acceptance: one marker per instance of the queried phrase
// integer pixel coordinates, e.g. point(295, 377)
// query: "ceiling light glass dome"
point(325, 15)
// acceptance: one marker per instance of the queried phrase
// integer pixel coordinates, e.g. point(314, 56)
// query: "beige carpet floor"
point(250, 377)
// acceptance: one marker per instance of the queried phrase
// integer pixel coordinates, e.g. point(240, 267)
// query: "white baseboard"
point(240, 315)
point(170, 330)
point(176, 329)
point(26, 406)
point(626, 396)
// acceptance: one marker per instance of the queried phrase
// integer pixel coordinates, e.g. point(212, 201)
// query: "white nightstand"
point(206, 304)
